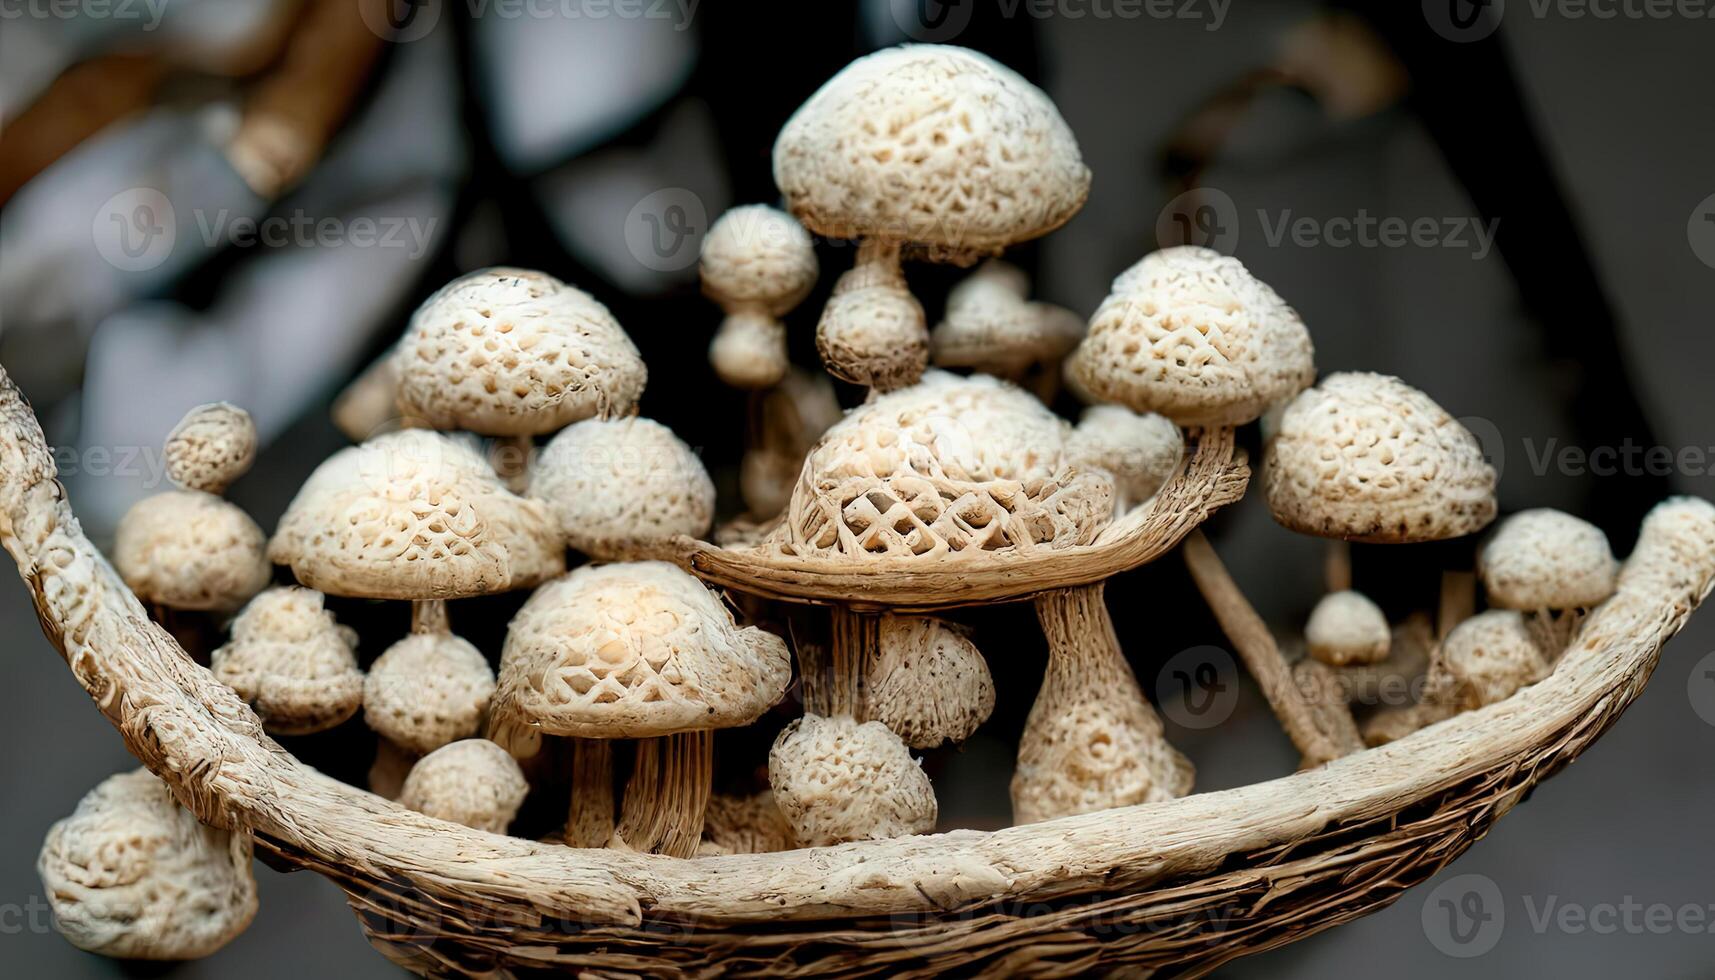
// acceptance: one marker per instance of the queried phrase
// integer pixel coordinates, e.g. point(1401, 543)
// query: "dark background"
point(542, 140)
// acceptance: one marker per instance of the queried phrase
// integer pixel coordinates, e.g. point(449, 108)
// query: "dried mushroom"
point(991, 326)
point(745, 825)
point(837, 780)
point(293, 662)
point(927, 681)
point(1551, 565)
point(757, 263)
point(1139, 452)
point(473, 782)
point(620, 482)
point(211, 446)
point(1346, 628)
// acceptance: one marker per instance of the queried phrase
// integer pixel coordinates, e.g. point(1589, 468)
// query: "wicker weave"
point(1180, 886)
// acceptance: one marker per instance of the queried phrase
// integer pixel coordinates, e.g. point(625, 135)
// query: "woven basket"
point(1180, 886)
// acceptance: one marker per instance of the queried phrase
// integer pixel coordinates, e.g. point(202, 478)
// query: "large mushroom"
point(644, 651)
point(757, 263)
point(132, 874)
point(293, 662)
point(930, 148)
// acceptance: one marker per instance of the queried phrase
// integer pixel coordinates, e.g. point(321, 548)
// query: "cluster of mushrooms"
point(921, 152)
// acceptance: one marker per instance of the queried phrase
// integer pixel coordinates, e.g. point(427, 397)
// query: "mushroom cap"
point(837, 780)
point(749, 350)
point(1546, 559)
point(927, 681)
point(1347, 628)
point(1191, 334)
point(872, 331)
point(745, 825)
point(515, 352)
point(131, 874)
point(427, 690)
point(1486, 659)
point(187, 549)
point(758, 257)
point(968, 468)
point(211, 446)
point(1140, 452)
point(932, 145)
point(989, 323)
point(1367, 457)
point(613, 482)
point(635, 650)
point(414, 515)
point(294, 663)
point(473, 782)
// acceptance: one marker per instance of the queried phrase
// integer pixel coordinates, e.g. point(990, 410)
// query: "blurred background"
point(1509, 205)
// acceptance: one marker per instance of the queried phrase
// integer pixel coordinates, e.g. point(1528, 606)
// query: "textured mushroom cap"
point(872, 331)
point(131, 874)
point(611, 482)
point(1138, 451)
point(294, 663)
point(1347, 628)
point(1191, 334)
point(950, 467)
point(1367, 457)
point(211, 446)
point(427, 690)
point(837, 781)
point(635, 650)
point(927, 681)
point(1546, 559)
point(515, 352)
point(988, 323)
point(473, 782)
point(745, 825)
point(749, 350)
point(758, 257)
point(187, 549)
point(933, 145)
point(1486, 659)
point(414, 515)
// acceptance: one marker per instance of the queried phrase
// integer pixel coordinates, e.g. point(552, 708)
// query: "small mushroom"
point(1346, 628)
point(757, 263)
point(514, 353)
point(1140, 452)
point(1551, 565)
point(951, 113)
point(473, 782)
point(614, 483)
point(745, 825)
point(1486, 659)
point(927, 681)
point(428, 690)
point(211, 446)
point(991, 326)
point(638, 650)
point(1191, 334)
point(293, 662)
point(131, 874)
point(837, 780)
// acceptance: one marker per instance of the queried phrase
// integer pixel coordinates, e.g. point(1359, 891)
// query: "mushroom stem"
point(1337, 565)
point(429, 616)
point(1092, 740)
point(667, 794)
point(511, 457)
point(590, 821)
point(834, 685)
point(1553, 629)
point(1458, 601)
point(1317, 738)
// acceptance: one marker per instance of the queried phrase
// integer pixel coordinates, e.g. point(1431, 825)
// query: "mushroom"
point(513, 353)
point(757, 263)
point(187, 548)
point(428, 690)
point(1191, 334)
point(839, 780)
point(1138, 451)
point(131, 874)
point(611, 483)
point(473, 782)
point(636, 650)
point(1483, 661)
point(1346, 628)
point(927, 681)
point(745, 825)
point(1551, 565)
point(293, 662)
point(992, 327)
point(969, 159)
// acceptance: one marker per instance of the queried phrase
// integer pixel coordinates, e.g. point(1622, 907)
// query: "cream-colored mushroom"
point(211, 446)
point(952, 113)
point(428, 690)
point(514, 353)
point(473, 782)
point(612, 484)
point(839, 780)
point(1551, 565)
point(991, 326)
point(1486, 659)
point(927, 681)
point(1192, 335)
point(637, 650)
point(131, 874)
point(1140, 452)
point(757, 263)
point(293, 662)
point(745, 825)
point(1347, 628)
